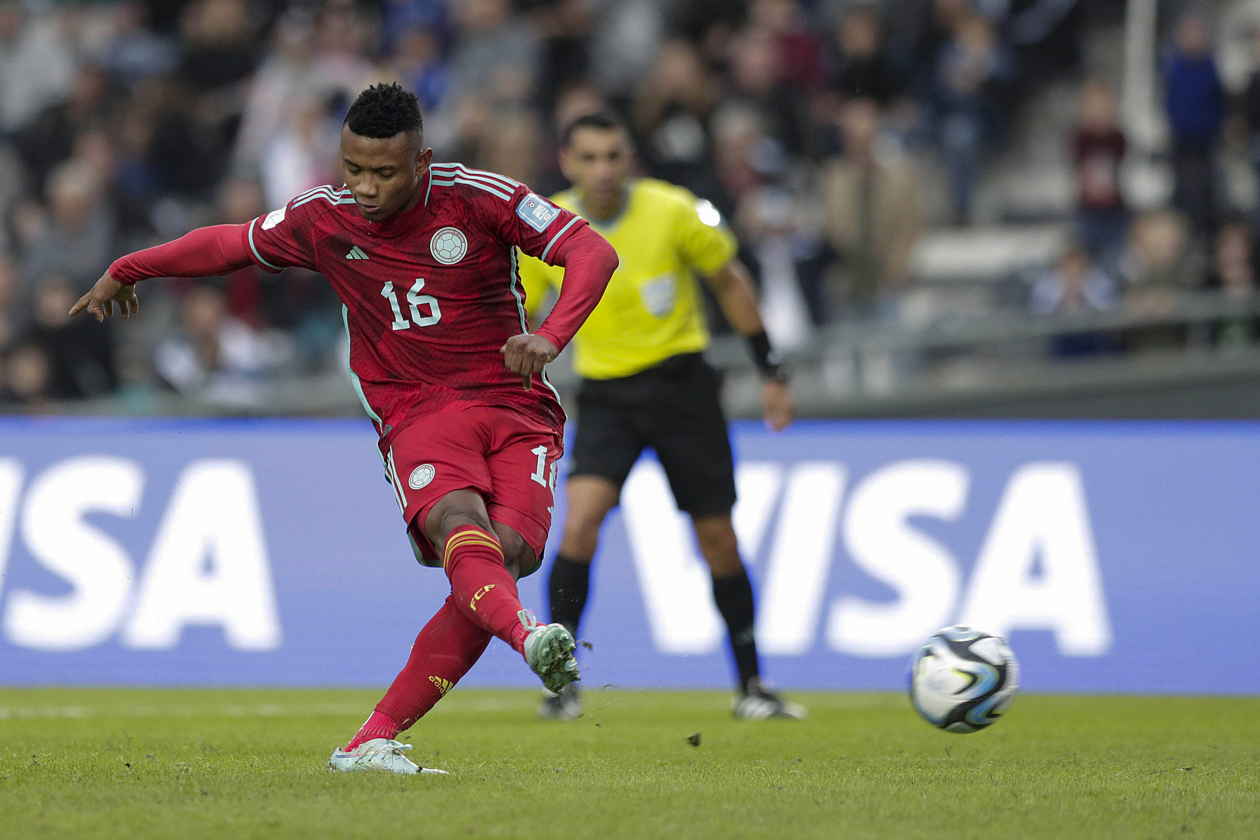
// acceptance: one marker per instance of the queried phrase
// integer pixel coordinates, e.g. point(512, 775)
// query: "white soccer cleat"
point(549, 652)
point(378, 755)
point(760, 703)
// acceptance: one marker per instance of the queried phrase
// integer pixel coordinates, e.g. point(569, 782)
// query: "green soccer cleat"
point(549, 652)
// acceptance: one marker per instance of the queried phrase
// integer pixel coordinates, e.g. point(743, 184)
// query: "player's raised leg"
point(733, 595)
point(483, 584)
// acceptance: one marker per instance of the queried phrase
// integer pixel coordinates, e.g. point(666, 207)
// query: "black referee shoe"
point(562, 706)
point(756, 702)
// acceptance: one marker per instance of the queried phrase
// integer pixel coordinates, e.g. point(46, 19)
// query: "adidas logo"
point(356, 253)
point(443, 686)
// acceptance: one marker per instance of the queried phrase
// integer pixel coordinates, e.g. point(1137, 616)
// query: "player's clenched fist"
point(527, 354)
point(101, 299)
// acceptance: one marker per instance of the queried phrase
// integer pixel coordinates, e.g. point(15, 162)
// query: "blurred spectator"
point(248, 289)
point(923, 27)
point(1159, 254)
point(672, 111)
point(76, 238)
point(50, 137)
point(80, 351)
point(1161, 263)
point(626, 38)
point(402, 18)
point(216, 357)
point(218, 51)
point(421, 68)
point(1099, 148)
point(862, 67)
point(564, 27)
point(1251, 114)
point(757, 80)
point(135, 52)
point(27, 375)
point(745, 158)
point(800, 48)
point(515, 147)
point(972, 72)
point(36, 63)
point(1073, 286)
point(1076, 286)
point(302, 153)
point(1045, 34)
point(872, 218)
point(1195, 101)
point(1234, 275)
point(498, 55)
point(10, 317)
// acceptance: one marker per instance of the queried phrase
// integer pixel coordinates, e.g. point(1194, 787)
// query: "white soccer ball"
point(962, 680)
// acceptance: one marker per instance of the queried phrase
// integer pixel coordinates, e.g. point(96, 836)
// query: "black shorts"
point(674, 408)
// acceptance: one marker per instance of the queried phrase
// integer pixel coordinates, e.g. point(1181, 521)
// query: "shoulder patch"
point(274, 218)
point(537, 212)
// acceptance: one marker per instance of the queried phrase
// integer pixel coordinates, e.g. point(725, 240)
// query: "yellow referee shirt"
point(653, 308)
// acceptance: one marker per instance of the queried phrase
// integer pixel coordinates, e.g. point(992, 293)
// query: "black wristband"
point(765, 357)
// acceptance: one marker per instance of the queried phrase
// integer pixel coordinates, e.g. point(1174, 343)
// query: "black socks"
point(566, 591)
point(734, 598)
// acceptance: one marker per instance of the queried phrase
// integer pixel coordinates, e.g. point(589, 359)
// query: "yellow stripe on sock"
point(463, 538)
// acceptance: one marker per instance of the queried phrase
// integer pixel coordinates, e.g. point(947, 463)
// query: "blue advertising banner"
point(1118, 557)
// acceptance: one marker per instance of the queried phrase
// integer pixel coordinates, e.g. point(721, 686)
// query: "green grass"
point(242, 764)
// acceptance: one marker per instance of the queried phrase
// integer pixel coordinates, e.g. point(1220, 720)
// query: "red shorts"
point(506, 456)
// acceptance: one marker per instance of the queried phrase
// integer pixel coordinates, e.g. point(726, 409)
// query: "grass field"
point(242, 764)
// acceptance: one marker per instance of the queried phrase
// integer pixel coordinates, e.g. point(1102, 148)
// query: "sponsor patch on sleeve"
point(274, 218)
point(537, 212)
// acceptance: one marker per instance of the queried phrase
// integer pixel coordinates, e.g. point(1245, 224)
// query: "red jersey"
point(429, 295)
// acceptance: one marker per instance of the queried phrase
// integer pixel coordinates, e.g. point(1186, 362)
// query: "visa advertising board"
point(1117, 557)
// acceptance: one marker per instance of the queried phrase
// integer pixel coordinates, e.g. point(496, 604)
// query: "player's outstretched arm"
point(732, 287)
point(589, 262)
point(205, 252)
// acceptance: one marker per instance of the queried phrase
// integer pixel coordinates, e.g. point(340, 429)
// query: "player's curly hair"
point(384, 110)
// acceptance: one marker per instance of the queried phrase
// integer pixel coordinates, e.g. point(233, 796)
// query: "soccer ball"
point(962, 680)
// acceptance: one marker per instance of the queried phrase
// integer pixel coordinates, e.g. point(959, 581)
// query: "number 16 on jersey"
point(416, 300)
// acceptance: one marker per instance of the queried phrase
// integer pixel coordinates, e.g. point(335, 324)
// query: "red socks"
point(446, 648)
point(483, 601)
point(483, 590)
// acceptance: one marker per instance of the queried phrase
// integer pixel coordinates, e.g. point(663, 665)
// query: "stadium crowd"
point(808, 124)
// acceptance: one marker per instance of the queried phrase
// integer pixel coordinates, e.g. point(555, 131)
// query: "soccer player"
point(645, 383)
point(423, 256)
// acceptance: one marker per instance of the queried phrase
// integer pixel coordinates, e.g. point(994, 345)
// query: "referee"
point(645, 383)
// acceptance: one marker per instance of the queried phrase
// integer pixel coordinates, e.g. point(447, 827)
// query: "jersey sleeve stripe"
point(494, 177)
point(489, 180)
point(556, 238)
point(444, 182)
point(332, 198)
point(254, 248)
point(325, 189)
point(312, 191)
